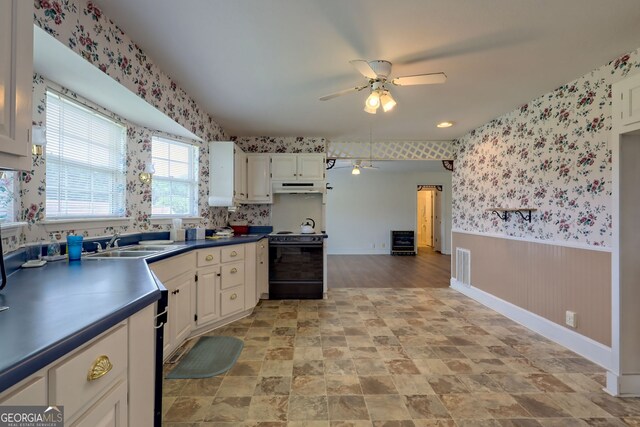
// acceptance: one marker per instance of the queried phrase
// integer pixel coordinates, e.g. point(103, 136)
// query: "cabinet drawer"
point(231, 300)
point(231, 274)
point(69, 382)
point(207, 257)
point(232, 253)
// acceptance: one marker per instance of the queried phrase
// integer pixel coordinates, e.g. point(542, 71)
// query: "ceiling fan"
point(357, 165)
point(378, 72)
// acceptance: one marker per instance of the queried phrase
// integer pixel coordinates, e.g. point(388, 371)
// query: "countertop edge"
point(32, 364)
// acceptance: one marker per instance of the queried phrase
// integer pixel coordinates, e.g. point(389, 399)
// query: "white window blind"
point(86, 175)
point(175, 181)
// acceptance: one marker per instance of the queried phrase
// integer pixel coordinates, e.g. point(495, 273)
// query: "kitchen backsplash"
point(261, 214)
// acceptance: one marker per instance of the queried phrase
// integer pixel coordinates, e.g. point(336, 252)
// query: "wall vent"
point(463, 266)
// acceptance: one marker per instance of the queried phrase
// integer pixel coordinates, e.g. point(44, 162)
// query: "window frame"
point(194, 183)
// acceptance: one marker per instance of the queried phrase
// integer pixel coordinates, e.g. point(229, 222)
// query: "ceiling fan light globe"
point(387, 101)
point(355, 170)
point(373, 100)
point(370, 110)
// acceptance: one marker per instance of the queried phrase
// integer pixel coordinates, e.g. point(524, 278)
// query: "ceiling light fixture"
point(373, 102)
point(387, 101)
point(445, 124)
point(355, 170)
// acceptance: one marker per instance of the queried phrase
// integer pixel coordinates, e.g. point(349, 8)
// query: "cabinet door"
point(239, 175)
point(208, 286)
point(34, 392)
point(262, 266)
point(180, 315)
point(284, 167)
point(16, 65)
point(258, 178)
point(109, 411)
point(630, 100)
point(311, 166)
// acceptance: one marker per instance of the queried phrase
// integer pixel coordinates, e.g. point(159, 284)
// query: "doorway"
point(428, 218)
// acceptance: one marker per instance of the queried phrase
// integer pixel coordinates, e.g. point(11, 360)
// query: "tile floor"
point(394, 357)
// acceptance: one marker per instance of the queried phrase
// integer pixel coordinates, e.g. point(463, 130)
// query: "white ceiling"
point(259, 66)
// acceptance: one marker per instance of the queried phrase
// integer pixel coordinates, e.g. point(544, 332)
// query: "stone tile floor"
point(394, 357)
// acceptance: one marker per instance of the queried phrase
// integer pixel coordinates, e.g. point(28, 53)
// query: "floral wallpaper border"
point(551, 154)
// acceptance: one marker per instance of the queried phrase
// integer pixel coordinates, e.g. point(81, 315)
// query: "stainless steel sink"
point(134, 251)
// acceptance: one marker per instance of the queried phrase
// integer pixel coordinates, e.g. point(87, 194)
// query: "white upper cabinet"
point(16, 73)
point(258, 178)
point(227, 179)
point(311, 166)
point(284, 167)
point(626, 105)
point(297, 167)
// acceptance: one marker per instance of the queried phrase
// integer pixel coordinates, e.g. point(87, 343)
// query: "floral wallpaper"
point(88, 32)
point(261, 214)
point(551, 154)
point(270, 144)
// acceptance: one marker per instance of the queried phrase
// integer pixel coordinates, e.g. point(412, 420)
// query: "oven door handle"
point(296, 244)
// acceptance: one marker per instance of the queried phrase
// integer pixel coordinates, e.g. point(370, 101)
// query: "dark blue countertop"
point(62, 305)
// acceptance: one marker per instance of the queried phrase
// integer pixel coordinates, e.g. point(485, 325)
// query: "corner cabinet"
point(16, 74)
point(298, 167)
point(228, 169)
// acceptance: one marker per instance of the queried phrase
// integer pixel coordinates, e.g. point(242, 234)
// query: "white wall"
point(362, 209)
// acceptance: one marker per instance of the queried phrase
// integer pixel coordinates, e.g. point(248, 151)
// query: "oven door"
point(295, 271)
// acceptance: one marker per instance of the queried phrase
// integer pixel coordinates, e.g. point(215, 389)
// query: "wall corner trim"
point(586, 347)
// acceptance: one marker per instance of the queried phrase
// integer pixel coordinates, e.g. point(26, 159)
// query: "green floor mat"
point(210, 356)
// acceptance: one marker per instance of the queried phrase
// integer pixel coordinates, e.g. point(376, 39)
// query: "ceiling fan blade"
point(420, 79)
point(364, 68)
point(342, 92)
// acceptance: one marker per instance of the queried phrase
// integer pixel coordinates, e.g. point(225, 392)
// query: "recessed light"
point(445, 124)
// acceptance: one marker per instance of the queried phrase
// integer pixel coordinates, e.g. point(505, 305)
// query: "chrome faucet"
point(113, 243)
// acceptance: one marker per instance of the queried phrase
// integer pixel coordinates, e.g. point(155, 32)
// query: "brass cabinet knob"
point(209, 258)
point(234, 270)
point(101, 367)
point(233, 296)
point(234, 253)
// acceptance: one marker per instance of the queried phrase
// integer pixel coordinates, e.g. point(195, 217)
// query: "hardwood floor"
point(429, 269)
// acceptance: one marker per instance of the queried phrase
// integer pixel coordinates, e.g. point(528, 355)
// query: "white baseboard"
point(586, 347)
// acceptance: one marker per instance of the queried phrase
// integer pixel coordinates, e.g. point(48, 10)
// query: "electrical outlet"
point(570, 318)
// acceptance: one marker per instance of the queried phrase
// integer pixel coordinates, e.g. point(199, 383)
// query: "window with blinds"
point(86, 174)
point(175, 181)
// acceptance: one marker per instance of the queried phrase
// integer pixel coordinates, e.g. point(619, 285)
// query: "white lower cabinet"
point(180, 313)
point(109, 411)
point(94, 383)
point(207, 300)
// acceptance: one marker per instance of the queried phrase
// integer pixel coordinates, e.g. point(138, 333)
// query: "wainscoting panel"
point(545, 279)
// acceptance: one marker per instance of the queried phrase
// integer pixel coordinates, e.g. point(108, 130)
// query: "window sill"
point(11, 229)
point(162, 220)
point(51, 225)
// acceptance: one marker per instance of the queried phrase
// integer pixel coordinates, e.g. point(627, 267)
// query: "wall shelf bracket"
point(503, 214)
